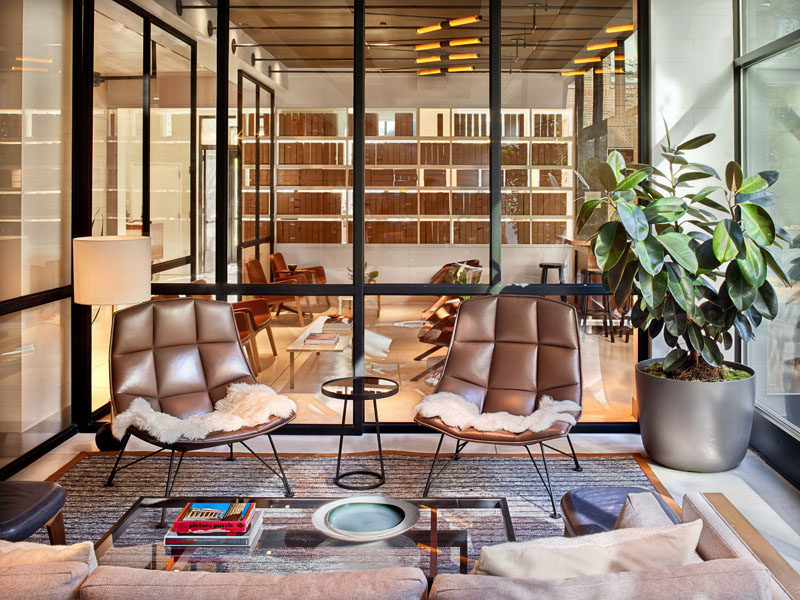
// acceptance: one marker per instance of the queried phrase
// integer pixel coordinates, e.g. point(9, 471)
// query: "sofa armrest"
point(728, 534)
point(44, 581)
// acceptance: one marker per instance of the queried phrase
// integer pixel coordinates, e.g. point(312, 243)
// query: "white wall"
point(691, 66)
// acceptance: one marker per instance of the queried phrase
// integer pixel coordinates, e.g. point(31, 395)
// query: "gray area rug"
point(91, 509)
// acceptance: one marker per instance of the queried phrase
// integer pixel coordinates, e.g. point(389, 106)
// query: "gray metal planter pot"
point(695, 426)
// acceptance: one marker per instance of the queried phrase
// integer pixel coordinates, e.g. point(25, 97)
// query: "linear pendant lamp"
point(451, 23)
point(429, 59)
point(430, 72)
point(619, 28)
point(602, 45)
point(446, 43)
point(568, 73)
point(588, 59)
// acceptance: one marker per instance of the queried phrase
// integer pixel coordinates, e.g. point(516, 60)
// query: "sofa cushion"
point(729, 579)
point(635, 549)
point(46, 581)
point(31, 553)
point(642, 510)
point(141, 584)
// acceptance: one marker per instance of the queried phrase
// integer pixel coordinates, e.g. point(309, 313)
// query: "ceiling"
point(537, 36)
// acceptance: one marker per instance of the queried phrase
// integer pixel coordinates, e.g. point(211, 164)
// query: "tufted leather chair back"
point(179, 355)
point(508, 351)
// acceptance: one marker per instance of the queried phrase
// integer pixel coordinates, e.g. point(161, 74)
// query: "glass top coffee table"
point(447, 539)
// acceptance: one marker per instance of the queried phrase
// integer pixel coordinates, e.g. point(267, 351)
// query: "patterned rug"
point(91, 509)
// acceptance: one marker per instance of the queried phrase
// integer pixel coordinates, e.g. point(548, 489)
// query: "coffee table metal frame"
point(359, 396)
point(433, 540)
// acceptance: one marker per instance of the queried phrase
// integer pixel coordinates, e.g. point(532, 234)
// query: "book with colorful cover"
point(172, 539)
point(215, 517)
point(321, 339)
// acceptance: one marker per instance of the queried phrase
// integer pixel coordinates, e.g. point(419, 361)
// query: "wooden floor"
point(390, 345)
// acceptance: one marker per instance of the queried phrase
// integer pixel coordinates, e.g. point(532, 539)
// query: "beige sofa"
point(735, 557)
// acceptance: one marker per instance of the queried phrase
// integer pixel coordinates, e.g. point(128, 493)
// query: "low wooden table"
point(299, 344)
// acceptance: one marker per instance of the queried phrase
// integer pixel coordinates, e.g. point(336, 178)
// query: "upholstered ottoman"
point(27, 505)
point(595, 509)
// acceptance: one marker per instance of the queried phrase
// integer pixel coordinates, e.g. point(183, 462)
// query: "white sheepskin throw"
point(457, 411)
point(244, 405)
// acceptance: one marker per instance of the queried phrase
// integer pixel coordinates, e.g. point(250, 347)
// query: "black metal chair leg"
point(124, 442)
point(435, 367)
point(230, 455)
point(289, 493)
point(427, 352)
point(578, 467)
point(433, 465)
point(547, 485)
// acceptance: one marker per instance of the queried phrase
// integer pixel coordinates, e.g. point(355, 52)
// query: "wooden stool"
point(545, 267)
point(605, 307)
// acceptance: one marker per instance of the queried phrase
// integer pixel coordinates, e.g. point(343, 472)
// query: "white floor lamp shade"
point(112, 269)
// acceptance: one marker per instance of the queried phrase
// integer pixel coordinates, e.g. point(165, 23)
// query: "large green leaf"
point(633, 219)
point(632, 180)
point(652, 287)
point(743, 328)
point(712, 313)
point(587, 210)
point(766, 302)
point(610, 244)
point(776, 267)
point(617, 163)
point(607, 178)
point(758, 224)
point(752, 266)
point(733, 175)
point(622, 290)
point(741, 291)
point(692, 176)
point(728, 240)
point(763, 198)
point(677, 244)
point(696, 142)
point(711, 352)
point(695, 337)
point(675, 358)
point(682, 290)
point(650, 254)
point(706, 259)
point(665, 210)
point(753, 184)
point(674, 318)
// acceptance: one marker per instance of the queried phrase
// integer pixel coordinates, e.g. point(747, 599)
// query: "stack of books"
point(337, 323)
point(328, 338)
point(216, 524)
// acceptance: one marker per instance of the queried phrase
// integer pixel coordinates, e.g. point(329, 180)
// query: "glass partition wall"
point(376, 160)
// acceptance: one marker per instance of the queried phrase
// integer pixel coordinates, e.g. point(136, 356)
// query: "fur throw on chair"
point(457, 411)
point(244, 405)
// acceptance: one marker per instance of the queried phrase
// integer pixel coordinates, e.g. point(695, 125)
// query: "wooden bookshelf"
point(426, 176)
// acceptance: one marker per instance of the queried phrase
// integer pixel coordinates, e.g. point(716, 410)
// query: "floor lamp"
point(110, 271)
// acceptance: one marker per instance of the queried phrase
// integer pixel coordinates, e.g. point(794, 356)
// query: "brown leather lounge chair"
point(181, 356)
point(507, 352)
point(280, 271)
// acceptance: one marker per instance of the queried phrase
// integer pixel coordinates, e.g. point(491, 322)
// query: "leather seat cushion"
point(27, 505)
point(595, 509)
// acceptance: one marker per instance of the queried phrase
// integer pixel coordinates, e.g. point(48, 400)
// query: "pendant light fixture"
point(451, 23)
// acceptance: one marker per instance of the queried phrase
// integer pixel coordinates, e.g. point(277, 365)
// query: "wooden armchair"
point(255, 274)
point(506, 353)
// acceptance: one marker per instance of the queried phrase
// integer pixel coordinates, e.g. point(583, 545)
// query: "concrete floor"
point(768, 501)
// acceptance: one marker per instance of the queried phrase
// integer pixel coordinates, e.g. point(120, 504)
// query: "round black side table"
point(360, 389)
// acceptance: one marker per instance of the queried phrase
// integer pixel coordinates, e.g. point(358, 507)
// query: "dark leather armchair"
point(506, 353)
point(181, 356)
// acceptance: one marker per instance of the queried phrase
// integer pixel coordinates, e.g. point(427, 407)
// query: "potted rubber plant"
point(695, 264)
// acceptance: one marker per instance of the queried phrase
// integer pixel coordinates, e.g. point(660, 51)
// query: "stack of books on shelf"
point(337, 323)
point(215, 524)
point(327, 338)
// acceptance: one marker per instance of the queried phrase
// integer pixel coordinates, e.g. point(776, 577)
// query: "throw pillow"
point(637, 549)
point(642, 510)
point(13, 554)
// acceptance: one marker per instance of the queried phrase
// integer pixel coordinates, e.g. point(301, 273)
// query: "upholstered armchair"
point(181, 355)
point(507, 352)
point(280, 270)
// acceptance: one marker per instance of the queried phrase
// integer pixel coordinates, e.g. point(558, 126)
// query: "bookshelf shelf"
point(418, 180)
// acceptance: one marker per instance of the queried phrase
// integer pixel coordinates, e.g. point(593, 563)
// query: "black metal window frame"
point(770, 438)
